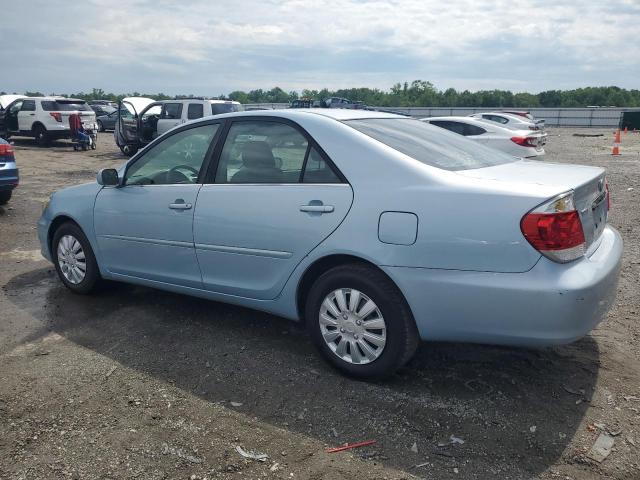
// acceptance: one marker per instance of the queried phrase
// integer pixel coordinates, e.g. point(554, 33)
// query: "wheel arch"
point(55, 224)
point(322, 265)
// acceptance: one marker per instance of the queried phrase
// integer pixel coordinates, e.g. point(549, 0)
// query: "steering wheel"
point(175, 170)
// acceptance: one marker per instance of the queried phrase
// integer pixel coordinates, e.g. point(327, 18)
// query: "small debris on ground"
point(414, 447)
point(348, 446)
point(236, 404)
point(261, 457)
point(602, 448)
point(110, 372)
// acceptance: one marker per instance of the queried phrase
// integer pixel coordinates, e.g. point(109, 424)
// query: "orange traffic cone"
point(625, 130)
point(616, 144)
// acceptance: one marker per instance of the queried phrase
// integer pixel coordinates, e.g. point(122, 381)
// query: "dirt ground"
point(137, 383)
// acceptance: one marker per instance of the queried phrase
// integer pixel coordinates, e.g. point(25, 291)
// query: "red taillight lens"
point(553, 231)
point(6, 149)
point(524, 141)
point(57, 116)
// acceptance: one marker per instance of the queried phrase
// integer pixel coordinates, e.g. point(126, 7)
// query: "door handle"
point(179, 204)
point(317, 208)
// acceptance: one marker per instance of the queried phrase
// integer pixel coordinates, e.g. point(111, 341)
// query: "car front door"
point(170, 117)
point(144, 227)
point(274, 197)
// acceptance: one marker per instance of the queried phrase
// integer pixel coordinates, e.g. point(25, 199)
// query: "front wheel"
point(74, 259)
point(360, 321)
point(41, 135)
point(128, 150)
point(100, 126)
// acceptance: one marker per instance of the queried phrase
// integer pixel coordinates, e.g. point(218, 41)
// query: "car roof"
point(55, 99)
point(298, 113)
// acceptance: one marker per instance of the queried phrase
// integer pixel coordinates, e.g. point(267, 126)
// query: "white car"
point(507, 120)
point(46, 118)
point(519, 143)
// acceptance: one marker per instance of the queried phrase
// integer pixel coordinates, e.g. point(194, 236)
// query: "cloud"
point(206, 47)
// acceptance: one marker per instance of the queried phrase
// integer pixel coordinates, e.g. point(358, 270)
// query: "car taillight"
point(555, 230)
point(56, 115)
point(6, 149)
point(525, 141)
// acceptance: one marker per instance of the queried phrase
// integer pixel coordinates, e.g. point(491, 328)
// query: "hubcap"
point(71, 259)
point(352, 326)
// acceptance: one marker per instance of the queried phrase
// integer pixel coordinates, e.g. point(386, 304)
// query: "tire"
point(5, 197)
point(363, 282)
point(65, 234)
point(128, 150)
point(41, 135)
point(100, 126)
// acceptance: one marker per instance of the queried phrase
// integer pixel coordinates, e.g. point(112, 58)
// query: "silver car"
point(376, 230)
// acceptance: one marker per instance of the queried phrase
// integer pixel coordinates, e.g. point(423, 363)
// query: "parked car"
point(519, 143)
point(9, 177)
point(149, 120)
point(102, 109)
point(103, 103)
point(5, 101)
point(374, 229)
point(513, 122)
point(107, 121)
point(46, 118)
point(337, 102)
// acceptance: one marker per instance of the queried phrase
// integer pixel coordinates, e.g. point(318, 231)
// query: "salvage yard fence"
point(553, 117)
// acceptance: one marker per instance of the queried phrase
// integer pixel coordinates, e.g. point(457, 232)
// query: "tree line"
point(418, 93)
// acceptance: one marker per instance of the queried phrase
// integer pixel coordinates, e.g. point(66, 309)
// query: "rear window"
point(64, 106)
point(429, 144)
point(218, 108)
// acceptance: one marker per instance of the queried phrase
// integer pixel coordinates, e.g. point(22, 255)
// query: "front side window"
point(430, 145)
point(175, 160)
point(28, 106)
point(172, 111)
point(195, 110)
point(262, 152)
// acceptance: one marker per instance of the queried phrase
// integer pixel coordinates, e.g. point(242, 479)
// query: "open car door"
point(127, 131)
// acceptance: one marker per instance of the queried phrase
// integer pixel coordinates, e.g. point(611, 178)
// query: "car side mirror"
point(108, 177)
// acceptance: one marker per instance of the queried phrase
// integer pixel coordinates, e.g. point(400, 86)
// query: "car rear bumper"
point(9, 177)
point(550, 304)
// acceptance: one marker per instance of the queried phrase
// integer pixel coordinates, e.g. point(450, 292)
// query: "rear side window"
point(195, 110)
point(317, 170)
point(65, 106)
point(28, 106)
point(473, 130)
point(429, 144)
point(496, 118)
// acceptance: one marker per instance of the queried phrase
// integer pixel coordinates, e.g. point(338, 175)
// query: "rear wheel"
point(74, 259)
point(5, 197)
point(41, 135)
point(360, 321)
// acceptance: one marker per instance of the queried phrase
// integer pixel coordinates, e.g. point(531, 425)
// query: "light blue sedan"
point(374, 229)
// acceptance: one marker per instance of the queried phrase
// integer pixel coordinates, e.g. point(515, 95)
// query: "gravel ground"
point(136, 383)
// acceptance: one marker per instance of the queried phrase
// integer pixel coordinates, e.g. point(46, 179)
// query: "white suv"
point(45, 118)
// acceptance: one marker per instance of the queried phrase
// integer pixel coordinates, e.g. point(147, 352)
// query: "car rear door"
point(144, 227)
point(273, 198)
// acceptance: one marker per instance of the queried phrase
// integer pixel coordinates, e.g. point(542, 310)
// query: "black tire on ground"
point(41, 136)
point(100, 126)
point(92, 279)
point(5, 196)
point(128, 150)
point(402, 334)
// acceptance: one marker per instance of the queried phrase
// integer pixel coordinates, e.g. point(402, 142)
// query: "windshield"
point(64, 106)
point(429, 144)
point(218, 108)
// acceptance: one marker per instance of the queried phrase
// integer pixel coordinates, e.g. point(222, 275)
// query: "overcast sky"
point(210, 47)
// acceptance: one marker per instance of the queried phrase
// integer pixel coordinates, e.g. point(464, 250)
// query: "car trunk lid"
point(588, 185)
